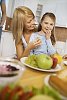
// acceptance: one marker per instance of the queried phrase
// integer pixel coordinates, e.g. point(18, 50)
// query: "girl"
point(46, 35)
point(22, 27)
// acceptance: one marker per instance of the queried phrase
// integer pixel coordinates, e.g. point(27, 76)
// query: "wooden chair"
point(61, 34)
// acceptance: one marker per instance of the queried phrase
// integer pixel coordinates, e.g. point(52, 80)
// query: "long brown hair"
point(52, 16)
point(18, 21)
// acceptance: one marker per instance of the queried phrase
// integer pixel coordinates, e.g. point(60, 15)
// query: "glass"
point(60, 47)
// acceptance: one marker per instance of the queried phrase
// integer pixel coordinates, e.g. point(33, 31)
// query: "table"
point(33, 78)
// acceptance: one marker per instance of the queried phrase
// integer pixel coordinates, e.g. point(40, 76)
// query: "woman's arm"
point(21, 52)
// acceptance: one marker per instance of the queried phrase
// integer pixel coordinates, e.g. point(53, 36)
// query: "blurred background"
point(39, 7)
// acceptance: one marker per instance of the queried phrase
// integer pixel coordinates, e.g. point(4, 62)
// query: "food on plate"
point(31, 60)
point(10, 71)
point(41, 97)
point(55, 62)
point(63, 75)
point(59, 57)
point(15, 93)
point(7, 70)
point(26, 96)
point(42, 61)
point(3, 93)
point(58, 84)
point(45, 90)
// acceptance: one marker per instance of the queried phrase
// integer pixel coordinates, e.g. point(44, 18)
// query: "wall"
point(58, 7)
point(10, 8)
point(32, 4)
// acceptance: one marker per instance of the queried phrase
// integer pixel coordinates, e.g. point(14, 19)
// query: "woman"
point(22, 28)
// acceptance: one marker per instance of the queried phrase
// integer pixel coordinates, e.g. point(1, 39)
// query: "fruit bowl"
point(10, 71)
point(57, 68)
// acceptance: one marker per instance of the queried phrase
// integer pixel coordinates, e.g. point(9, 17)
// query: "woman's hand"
point(34, 44)
point(48, 34)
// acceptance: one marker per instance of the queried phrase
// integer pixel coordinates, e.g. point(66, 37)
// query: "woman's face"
point(29, 23)
point(47, 24)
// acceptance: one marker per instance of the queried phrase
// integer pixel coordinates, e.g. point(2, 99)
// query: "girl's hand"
point(48, 34)
point(34, 44)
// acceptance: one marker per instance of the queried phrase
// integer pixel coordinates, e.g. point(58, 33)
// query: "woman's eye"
point(45, 23)
point(28, 22)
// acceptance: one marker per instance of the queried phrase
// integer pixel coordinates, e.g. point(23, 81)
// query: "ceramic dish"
point(46, 81)
point(7, 77)
point(58, 67)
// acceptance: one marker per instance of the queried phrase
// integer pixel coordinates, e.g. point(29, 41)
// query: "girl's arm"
point(50, 48)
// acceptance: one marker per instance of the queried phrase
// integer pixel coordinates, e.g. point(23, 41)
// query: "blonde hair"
point(18, 21)
point(52, 16)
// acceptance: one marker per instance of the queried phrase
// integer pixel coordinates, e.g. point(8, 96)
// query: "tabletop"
point(35, 78)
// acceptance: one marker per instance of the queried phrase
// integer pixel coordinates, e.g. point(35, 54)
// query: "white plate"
point(58, 67)
point(65, 62)
point(4, 80)
point(46, 81)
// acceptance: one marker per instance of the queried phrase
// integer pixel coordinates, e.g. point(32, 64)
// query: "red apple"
point(55, 61)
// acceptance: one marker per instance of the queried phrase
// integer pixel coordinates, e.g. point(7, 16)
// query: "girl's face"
point(29, 23)
point(47, 24)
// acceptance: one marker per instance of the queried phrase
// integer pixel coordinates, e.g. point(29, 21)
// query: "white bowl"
point(4, 80)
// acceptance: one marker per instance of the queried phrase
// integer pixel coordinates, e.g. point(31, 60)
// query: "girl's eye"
point(52, 24)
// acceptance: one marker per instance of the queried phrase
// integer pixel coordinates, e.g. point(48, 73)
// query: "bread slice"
point(63, 75)
point(58, 84)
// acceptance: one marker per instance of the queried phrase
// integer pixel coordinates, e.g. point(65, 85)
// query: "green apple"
point(44, 61)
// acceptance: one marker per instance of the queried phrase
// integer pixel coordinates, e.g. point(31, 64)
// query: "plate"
point(9, 69)
point(10, 76)
point(46, 81)
point(65, 62)
point(58, 67)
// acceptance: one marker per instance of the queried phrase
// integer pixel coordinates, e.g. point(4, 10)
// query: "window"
point(38, 12)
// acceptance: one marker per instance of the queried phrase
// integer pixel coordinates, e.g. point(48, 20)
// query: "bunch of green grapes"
point(31, 60)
